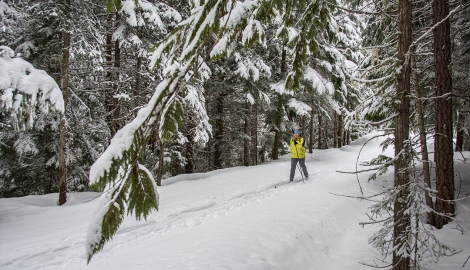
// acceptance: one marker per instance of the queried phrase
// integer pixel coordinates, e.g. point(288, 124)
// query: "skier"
point(297, 149)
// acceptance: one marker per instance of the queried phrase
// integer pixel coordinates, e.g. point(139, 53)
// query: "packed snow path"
point(237, 218)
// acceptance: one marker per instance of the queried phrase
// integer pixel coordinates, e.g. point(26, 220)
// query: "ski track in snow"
point(172, 220)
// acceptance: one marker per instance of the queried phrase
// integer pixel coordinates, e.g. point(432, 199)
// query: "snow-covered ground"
point(237, 218)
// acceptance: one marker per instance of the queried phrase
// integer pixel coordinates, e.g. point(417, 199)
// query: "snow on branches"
point(26, 91)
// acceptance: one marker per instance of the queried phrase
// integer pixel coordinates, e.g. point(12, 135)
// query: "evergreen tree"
point(30, 98)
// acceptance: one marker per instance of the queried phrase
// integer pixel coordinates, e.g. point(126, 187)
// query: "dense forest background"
point(234, 112)
point(234, 118)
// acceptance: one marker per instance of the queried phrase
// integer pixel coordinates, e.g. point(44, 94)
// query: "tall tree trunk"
point(335, 130)
point(246, 141)
point(219, 129)
point(320, 130)
point(210, 156)
point(277, 131)
point(422, 139)
point(109, 99)
point(402, 174)
point(310, 143)
point(117, 65)
point(443, 85)
point(325, 136)
point(160, 163)
point(189, 145)
point(279, 113)
point(340, 131)
point(64, 85)
point(254, 133)
point(460, 132)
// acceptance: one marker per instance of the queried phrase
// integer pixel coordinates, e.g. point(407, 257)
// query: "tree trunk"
point(109, 99)
point(254, 133)
point(340, 131)
point(422, 139)
point(277, 131)
point(160, 163)
point(64, 85)
point(116, 107)
point(320, 130)
point(246, 141)
point(402, 174)
point(310, 143)
point(219, 129)
point(460, 132)
point(210, 163)
point(443, 85)
point(278, 119)
point(189, 145)
point(325, 129)
point(335, 130)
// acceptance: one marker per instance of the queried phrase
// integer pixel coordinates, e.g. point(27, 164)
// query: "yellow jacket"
point(297, 147)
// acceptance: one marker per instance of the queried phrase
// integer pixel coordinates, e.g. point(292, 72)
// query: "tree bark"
point(254, 134)
point(189, 168)
point(443, 85)
point(402, 174)
point(460, 132)
point(64, 85)
point(325, 136)
point(310, 143)
point(160, 163)
point(335, 130)
point(422, 139)
point(219, 129)
point(117, 65)
point(320, 130)
point(278, 119)
point(109, 99)
point(340, 131)
point(246, 140)
point(277, 131)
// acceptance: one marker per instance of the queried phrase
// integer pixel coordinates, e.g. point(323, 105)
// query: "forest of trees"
point(189, 86)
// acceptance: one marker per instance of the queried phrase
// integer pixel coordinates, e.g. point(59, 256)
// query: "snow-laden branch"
point(23, 89)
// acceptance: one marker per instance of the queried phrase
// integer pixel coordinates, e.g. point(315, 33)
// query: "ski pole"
point(301, 173)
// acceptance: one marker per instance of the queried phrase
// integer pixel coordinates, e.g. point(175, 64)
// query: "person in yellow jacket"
point(297, 149)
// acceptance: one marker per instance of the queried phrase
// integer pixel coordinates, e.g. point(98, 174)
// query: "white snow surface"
point(236, 218)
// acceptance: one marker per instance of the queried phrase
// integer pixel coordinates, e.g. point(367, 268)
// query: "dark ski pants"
point(293, 165)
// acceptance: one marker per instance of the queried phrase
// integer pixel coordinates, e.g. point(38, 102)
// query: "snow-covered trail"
point(238, 218)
